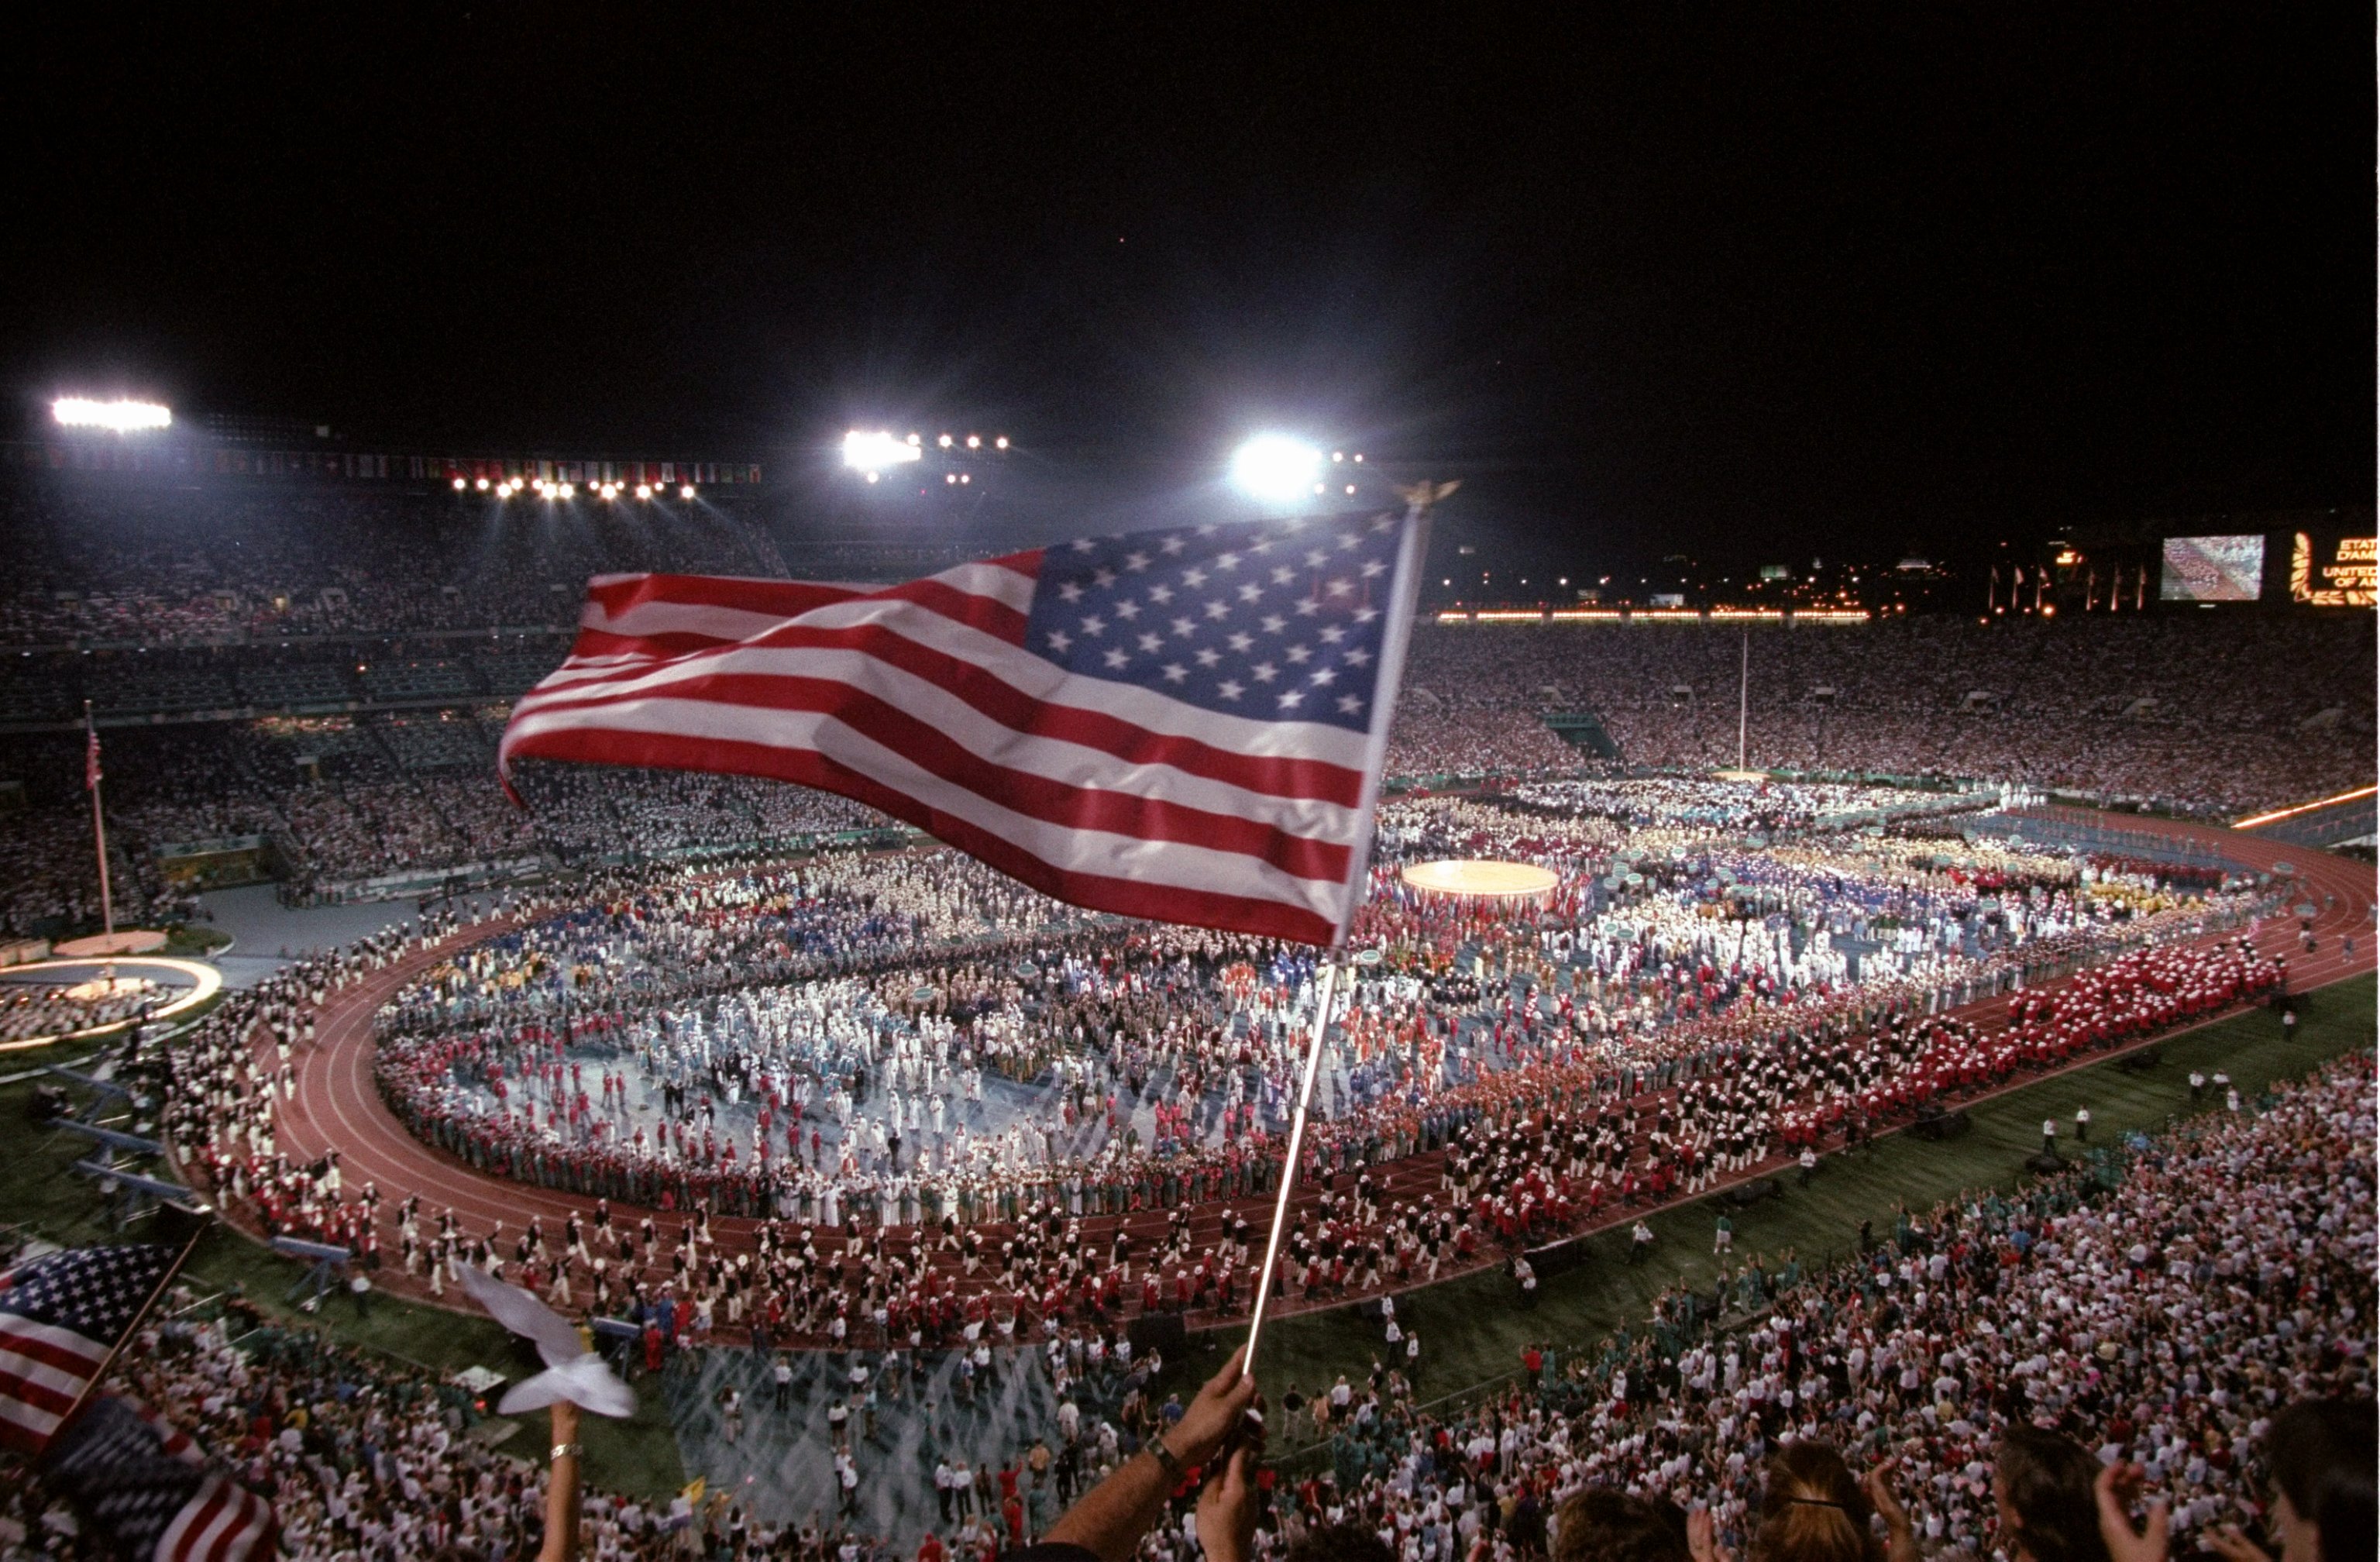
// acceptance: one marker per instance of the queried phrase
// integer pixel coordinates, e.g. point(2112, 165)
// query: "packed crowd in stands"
point(2194, 714)
point(335, 800)
point(159, 564)
point(2157, 1305)
point(2155, 1310)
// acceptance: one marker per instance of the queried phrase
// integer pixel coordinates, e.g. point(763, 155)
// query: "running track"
point(337, 1105)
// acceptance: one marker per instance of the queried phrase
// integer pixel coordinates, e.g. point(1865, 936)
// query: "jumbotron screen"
point(2212, 568)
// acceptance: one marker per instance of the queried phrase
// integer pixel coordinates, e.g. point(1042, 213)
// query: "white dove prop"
point(573, 1371)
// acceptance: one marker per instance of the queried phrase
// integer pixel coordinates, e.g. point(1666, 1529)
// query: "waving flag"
point(1186, 725)
point(60, 1317)
point(144, 1486)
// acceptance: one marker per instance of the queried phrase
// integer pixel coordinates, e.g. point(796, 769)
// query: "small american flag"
point(1186, 725)
point(60, 1317)
point(144, 1486)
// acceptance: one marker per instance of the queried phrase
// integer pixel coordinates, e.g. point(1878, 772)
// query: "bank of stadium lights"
point(873, 453)
point(870, 453)
point(114, 417)
point(1276, 468)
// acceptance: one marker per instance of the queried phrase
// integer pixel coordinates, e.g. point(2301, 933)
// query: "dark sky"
point(1715, 285)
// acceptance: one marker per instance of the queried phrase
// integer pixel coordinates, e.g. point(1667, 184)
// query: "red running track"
point(337, 1105)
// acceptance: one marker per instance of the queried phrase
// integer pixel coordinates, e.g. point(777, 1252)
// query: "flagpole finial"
point(1423, 495)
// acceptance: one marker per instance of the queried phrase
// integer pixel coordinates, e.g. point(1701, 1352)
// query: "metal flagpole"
point(98, 819)
point(1418, 499)
point(203, 1216)
point(1326, 990)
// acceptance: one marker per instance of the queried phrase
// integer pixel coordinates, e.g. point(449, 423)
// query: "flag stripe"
point(809, 768)
point(946, 735)
point(50, 1345)
point(1018, 691)
point(222, 1523)
point(800, 747)
point(723, 609)
point(39, 1385)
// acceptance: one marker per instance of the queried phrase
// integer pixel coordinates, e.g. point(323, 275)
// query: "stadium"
point(910, 994)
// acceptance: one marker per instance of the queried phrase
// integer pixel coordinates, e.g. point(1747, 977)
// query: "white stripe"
point(1169, 863)
point(1059, 760)
point(43, 1373)
point(1030, 675)
point(16, 1326)
point(688, 613)
point(240, 1511)
point(678, 618)
point(38, 1422)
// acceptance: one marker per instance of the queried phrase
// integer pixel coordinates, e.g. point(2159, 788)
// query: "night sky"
point(1678, 283)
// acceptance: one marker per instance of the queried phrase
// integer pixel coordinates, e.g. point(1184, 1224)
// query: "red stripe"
point(783, 599)
point(1027, 792)
point(1305, 779)
point(1238, 913)
point(40, 1395)
point(22, 1438)
point(49, 1352)
point(989, 615)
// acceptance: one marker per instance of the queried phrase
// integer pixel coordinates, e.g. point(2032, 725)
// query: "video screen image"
point(2212, 568)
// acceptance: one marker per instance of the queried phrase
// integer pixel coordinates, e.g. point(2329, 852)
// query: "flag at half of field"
point(61, 1317)
point(1186, 724)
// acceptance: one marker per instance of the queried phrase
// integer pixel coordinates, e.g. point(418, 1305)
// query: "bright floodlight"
point(1275, 467)
point(644, 491)
point(686, 491)
point(458, 486)
point(874, 452)
point(121, 417)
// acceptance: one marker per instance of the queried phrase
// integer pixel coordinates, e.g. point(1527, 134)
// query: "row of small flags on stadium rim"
point(702, 473)
point(143, 1485)
point(222, 460)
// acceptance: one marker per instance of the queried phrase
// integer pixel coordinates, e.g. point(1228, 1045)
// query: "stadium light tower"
point(114, 417)
point(1275, 468)
point(871, 453)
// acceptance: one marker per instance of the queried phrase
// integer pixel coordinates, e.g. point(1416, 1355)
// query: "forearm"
point(1110, 1518)
point(561, 1512)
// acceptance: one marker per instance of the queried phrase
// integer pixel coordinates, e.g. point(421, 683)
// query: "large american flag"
point(60, 1316)
point(1186, 725)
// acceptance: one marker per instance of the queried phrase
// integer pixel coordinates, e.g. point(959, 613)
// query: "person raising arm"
point(1108, 1522)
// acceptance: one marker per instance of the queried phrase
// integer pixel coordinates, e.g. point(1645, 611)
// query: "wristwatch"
point(1166, 1456)
point(563, 1451)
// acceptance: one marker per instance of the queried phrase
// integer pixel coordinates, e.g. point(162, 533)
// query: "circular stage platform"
point(1499, 880)
point(174, 987)
point(123, 941)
